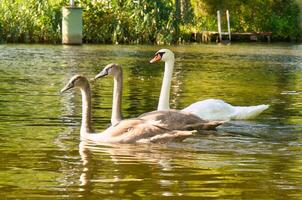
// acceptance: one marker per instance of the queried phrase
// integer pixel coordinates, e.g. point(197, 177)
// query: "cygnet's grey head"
point(110, 69)
point(75, 81)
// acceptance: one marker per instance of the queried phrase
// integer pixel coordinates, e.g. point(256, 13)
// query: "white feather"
point(216, 109)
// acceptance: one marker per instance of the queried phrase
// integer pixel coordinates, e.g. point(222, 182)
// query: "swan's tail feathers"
point(172, 136)
point(207, 125)
point(249, 112)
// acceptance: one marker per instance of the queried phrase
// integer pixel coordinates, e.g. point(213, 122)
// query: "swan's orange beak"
point(156, 58)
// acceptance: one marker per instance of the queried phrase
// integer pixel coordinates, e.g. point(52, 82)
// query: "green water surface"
point(41, 156)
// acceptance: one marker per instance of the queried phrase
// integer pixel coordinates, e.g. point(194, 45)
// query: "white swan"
point(126, 131)
point(210, 109)
point(172, 119)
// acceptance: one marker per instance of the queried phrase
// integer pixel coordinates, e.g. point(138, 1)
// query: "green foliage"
point(30, 21)
point(143, 21)
point(284, 22)
point(281, 17)
point(146, 21)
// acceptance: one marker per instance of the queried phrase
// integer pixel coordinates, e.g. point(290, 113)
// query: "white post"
point(229, 26)
point(71, 3)
point(72, 25)
point(219, 25)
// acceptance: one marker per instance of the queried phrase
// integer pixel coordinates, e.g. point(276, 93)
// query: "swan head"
point(75, 81)
point(163, 55)
point(110, 69)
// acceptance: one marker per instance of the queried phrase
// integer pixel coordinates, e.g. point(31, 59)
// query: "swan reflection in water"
point(121, 157)
point(85, 154)
point(178, 168)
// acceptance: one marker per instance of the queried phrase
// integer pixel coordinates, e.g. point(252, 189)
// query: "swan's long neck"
point(164, 98)
point(116, 115)
point(86, 111)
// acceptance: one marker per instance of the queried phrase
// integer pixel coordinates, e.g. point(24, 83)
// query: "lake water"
point(41, 156)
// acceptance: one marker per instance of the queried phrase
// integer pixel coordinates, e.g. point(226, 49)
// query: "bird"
point(209, 109)
point(171, 118)
point(132, 130)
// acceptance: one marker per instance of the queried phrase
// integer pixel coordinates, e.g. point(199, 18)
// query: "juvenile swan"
point(210, 109)
point(172, 119)
point(126, 131)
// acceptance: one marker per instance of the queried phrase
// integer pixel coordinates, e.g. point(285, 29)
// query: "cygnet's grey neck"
point(116, 115)
point(86, 126)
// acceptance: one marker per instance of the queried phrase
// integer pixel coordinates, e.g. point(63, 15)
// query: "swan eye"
point(108, 70)
point(161, 54)
point(71, 85)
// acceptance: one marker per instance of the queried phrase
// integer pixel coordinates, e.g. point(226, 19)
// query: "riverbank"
point(144, 22)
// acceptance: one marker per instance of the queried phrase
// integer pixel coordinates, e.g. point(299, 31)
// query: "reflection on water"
point(42, 157)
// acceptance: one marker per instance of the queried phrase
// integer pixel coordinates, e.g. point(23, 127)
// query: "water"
point(42, 157)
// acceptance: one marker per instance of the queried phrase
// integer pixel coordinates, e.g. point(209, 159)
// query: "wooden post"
point(229, 26)
point(219, 26)
point(268, 39)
